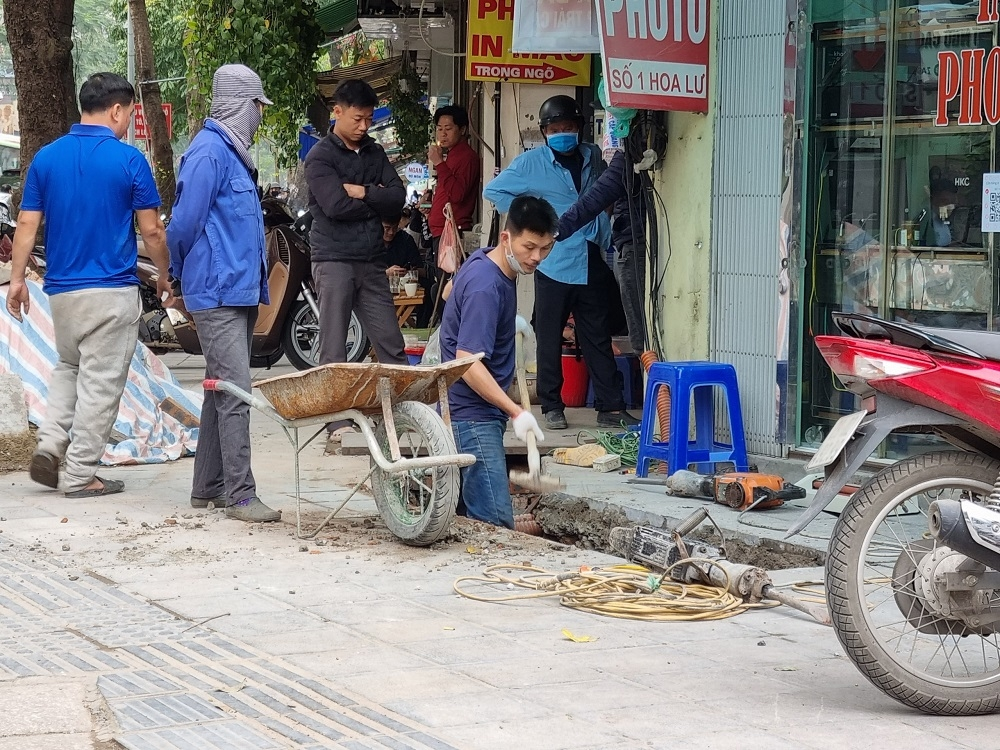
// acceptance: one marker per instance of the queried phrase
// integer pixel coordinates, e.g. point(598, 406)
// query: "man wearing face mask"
point(572, 279)
point(479, 317)
point(217, 254)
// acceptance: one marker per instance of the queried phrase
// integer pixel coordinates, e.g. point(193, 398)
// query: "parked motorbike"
point(288, 326)
point(913, 571)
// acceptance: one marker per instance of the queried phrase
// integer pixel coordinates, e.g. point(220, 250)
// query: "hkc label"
point(491, 28)
point(656, 53)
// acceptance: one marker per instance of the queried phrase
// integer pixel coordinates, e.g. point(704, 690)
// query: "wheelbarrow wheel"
point(417, 506)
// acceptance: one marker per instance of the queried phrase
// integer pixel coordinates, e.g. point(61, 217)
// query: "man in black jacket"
point(352, 188)
point(619, 186)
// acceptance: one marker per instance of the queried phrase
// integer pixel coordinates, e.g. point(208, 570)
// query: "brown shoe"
point(45, 469)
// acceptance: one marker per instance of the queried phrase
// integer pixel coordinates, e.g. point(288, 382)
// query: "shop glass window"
point(892, 210)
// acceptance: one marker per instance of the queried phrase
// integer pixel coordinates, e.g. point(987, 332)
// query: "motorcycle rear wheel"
point(300, 337)
point(881, 531)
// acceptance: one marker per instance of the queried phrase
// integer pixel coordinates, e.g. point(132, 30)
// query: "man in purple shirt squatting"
point(479, 317)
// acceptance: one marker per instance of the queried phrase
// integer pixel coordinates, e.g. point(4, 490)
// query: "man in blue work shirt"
point(573, 278)
point(216, 239)
point(479, 317)
point(90, 187)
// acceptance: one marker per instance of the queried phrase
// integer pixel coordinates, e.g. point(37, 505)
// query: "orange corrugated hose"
point(662, 404)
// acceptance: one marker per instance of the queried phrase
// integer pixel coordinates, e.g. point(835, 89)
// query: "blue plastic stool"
point(628, 366)
point(683, 379)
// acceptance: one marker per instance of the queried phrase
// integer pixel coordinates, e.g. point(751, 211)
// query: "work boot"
point(555, 419)
point(252, 510)
point(619, 419)
point(202, 502)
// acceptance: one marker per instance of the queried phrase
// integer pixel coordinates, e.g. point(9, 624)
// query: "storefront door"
point(892, 206)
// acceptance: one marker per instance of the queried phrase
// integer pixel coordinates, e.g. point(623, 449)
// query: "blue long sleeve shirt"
point(537, 173)
point(216, 231)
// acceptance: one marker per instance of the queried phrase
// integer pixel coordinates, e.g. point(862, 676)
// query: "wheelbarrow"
point(414, 462)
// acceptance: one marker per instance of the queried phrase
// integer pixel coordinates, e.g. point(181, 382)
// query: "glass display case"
point(892, 205)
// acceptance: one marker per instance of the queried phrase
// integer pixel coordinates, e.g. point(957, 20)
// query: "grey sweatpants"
point(96, 331)
point(364, 288)
point(222, 461)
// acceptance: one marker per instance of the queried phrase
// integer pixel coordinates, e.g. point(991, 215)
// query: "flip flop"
point(45, 469)
point(111, 487)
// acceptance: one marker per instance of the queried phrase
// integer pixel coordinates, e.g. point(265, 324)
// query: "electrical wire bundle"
point(629, 592)
point(647, 132)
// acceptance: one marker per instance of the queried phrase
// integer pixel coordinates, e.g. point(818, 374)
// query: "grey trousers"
point(96, 331)
point(364, 288)
point(630, 270)
point(222, 461)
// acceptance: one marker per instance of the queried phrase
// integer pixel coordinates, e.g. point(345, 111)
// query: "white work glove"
point(524, 423)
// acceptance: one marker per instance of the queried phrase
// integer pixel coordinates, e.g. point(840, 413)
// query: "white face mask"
point(508, 253)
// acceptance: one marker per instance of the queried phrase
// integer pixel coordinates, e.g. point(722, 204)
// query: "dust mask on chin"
point(508, 253)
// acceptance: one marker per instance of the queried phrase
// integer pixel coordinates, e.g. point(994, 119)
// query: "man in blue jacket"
point(216, 241)
point(573, 278)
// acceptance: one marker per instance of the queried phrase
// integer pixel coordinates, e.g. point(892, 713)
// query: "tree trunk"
point(39, 33)
point(161, 152)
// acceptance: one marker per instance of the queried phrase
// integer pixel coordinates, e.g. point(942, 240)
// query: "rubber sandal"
point(45, 469)
point(111, 487)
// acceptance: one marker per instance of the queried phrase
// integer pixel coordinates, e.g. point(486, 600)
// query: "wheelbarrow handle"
point(256, 402)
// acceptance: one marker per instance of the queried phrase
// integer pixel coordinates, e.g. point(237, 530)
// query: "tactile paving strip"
point(171, 684)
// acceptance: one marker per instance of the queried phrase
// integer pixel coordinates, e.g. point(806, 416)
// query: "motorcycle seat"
point(985, 343)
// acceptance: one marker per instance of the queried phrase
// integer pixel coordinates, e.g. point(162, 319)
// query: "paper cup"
point(411, 288)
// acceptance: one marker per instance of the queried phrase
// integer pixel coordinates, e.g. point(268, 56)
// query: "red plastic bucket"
point(576, 381)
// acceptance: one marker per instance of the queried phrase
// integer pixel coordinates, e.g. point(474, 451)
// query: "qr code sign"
point(994, 207)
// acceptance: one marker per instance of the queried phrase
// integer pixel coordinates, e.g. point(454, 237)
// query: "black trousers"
point(554, 301)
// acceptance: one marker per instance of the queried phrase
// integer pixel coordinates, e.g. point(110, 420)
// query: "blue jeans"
point(485, 491)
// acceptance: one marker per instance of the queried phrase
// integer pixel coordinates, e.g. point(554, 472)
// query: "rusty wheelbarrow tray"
point(416, 493)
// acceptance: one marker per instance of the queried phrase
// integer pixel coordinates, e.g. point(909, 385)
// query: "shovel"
point(533, 479)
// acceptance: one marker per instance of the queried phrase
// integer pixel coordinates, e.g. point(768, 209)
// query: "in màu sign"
point(970, 79)
point(491, 29)
point(655, 53)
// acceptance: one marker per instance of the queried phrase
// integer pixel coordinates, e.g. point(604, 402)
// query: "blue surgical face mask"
point(563, 142)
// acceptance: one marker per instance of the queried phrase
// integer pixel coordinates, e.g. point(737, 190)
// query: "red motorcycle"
point(913, 571)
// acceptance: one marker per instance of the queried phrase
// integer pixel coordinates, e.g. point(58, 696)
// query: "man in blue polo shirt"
point(479, 317)
point(90, 187)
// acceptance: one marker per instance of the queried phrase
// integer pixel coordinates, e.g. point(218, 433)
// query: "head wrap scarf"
point(236, 90)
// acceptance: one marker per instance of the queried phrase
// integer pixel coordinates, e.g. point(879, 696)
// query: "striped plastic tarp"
point(143, 432)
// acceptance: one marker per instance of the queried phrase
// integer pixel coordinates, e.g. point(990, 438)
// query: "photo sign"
point(970, 78)
point(489, 56)
point(655, 53)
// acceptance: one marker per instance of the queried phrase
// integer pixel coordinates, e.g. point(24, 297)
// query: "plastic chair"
point(683, 379)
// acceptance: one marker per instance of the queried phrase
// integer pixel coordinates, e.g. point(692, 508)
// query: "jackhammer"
point(693, 561)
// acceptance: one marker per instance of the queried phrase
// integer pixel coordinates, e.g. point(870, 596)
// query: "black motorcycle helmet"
point(559, 109)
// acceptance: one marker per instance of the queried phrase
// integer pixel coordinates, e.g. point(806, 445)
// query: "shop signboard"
point(416, 172)
point(142, 132)
point(489, 56)
point(970, 78)
point(563, 26)
point(656, 53)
